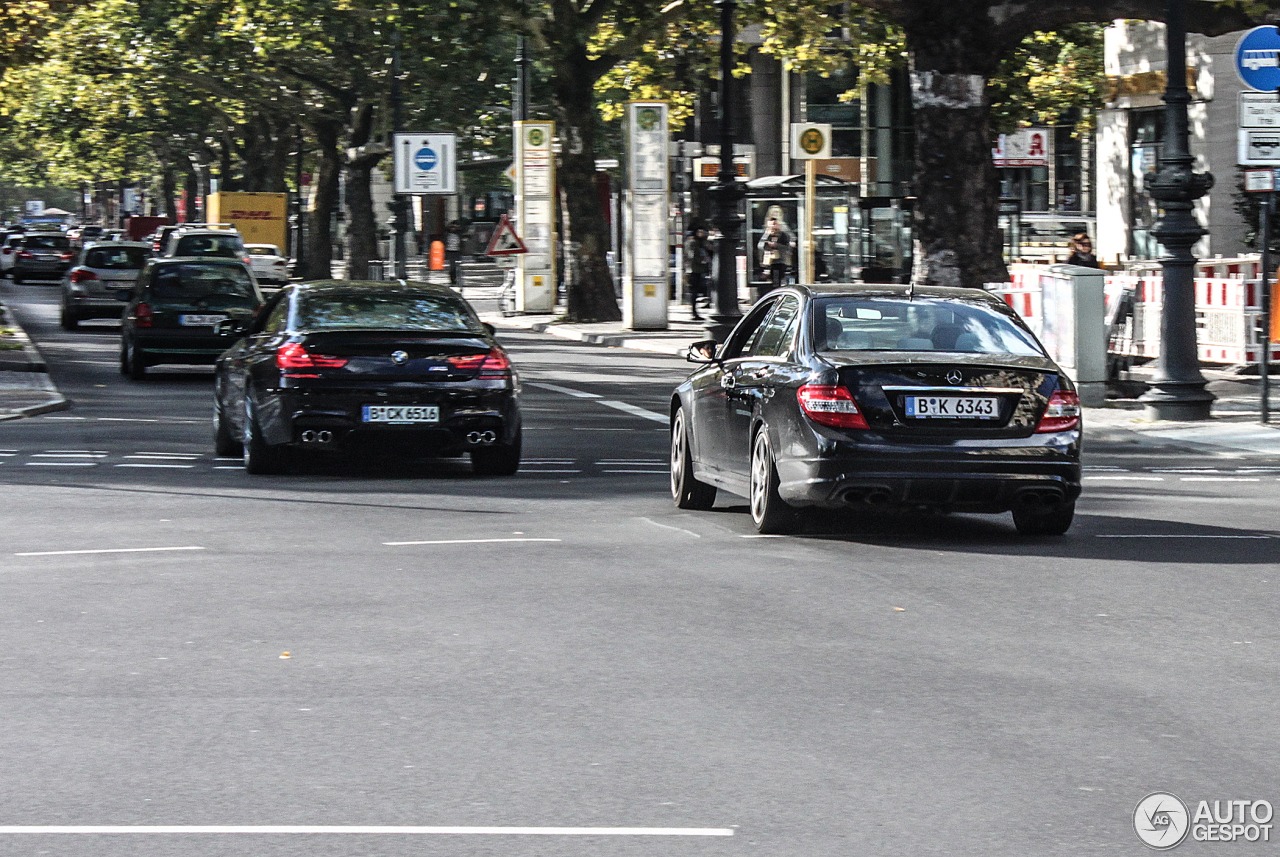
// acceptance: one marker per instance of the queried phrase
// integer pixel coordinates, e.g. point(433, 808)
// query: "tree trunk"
point(191, 187)
point(169, 191)
point(591, 294)
point(319, 231)
point(954, 52)
point(362, 225)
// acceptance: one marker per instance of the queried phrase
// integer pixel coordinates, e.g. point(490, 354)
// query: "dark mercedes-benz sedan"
point(841, 396)
point(341, 366)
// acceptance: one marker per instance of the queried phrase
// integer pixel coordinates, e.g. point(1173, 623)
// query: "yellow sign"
point(650, 290)
point(812, 141)
point(537, 282)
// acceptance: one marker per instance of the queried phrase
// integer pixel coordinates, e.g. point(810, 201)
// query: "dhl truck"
point(260, 218)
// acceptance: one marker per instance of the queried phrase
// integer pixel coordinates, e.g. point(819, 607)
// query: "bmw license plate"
point(953, 407)
point(400, 414)
point(199, 320)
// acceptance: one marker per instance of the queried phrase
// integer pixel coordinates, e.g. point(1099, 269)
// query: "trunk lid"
point(383, 356)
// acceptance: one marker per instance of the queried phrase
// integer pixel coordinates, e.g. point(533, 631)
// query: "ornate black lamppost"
point(727, 194)
point(1178, 389)
point(399, 203)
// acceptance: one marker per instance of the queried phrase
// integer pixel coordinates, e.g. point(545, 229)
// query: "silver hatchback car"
point(92, 287)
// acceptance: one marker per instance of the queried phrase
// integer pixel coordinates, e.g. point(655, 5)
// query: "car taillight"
point(491, 367)
point(80, 275)
point(142, 315)
point(830, 406)
point(25, 254)
point(67, 256)
point(292, 357)
point(1062, 412)
point(7, 251)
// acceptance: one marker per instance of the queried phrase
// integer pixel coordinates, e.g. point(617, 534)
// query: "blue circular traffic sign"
point(1257, 61)
point(425, 158)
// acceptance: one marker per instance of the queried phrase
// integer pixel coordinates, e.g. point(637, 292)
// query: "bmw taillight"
point(293, 359)
point(493, 366)
point(1062, 412)
point(142, 315)
point(66, 257)
point(830, 406)
point(25, 254)
point(80, 275)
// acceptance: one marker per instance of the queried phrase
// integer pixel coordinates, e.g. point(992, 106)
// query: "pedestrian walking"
point(775, 252)
point(1081, 251)
point(453, 250)
point(697, 254)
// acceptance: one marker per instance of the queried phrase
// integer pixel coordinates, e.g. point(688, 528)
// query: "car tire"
point(686, 490)
point(68, 320)
point(501, 459)
point(1032, 522)
point(133, 363)
point(17, 278)
point(225, 444)
point(769, 512)
point(260, 458)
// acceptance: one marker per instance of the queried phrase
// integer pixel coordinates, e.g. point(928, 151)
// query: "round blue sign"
point(1256, 59)
point(425, 158)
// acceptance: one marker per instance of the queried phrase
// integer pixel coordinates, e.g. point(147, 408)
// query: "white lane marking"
point(110, 550)
point(1096, 478)
point(61, 464)
point(229, 458)
point(527, 470)
point(1173, 536)
point(599, 428)
point(370, 829)
point(170, 466)
point(70, 453)
point(632, 461)
point(466, 541)
point(1258, 470)
point(227, 467)
point(635, 411)
point(142, 453)
point(550, 461)
point(556, 388)
point(760, 536)
point(669, 527)
point(644, 472)
point(66, 418)
point(1184, 470)
point(1110, 467)
point(1218, 479)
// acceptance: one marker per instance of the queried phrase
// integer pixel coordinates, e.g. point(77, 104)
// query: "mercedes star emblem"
point(399, 357)
point(954, 377)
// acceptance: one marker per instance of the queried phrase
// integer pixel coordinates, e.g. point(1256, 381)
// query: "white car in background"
point(269, 267)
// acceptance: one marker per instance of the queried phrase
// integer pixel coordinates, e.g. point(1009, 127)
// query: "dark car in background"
point(91, 288)
point(916, 397)
point(342, 366)
point(175, 309)
point(43, 255)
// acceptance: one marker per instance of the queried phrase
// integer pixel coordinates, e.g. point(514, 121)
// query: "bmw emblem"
point(954, 377)
point(399, 357)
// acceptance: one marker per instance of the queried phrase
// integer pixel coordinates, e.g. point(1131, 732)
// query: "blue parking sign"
point(425, 158)
point(1258, 59)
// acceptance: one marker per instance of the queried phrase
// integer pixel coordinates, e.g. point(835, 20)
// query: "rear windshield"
point(263, 251)
point(47, 242)
point(386, 312)
point(116, 258)
point(920, 324)
point(225, 246)
point(227, 285)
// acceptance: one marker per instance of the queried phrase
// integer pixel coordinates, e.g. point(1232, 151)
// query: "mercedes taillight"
point(830, 406)
point(1061, 414)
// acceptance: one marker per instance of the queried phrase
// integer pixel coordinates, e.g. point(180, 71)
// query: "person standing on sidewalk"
point(1081, 251)
point(775, 252)
point(453, 250)
point(697, 254)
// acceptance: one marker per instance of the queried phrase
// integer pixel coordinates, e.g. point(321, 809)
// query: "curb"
point(28, 361)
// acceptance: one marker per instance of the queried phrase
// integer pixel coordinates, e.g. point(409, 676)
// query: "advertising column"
point(646, 240)
point(535, 216)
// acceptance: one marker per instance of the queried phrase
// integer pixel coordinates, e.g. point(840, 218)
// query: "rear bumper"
point(93, 306)
point(989, 477)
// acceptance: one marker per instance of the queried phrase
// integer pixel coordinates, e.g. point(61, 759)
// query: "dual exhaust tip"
point(481, 438)
point(310, 436)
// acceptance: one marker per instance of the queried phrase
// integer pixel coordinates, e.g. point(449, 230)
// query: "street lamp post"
point(727, 193)
point(1178, 389)
point(399, 202)
point(299, 246)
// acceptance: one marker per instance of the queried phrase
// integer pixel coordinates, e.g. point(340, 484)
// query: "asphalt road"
point(566, 649)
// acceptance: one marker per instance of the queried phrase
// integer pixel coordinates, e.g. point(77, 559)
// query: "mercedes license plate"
point(199, 320)
point(953, 407)
point(401, 414)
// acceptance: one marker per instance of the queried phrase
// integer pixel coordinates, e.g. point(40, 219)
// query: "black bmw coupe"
point(342, 366)
point(879, 395)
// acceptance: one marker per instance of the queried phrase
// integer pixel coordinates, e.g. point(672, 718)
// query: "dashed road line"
point(366, 830)
point(556, 388)
point(465, 541)
point(635, 411)
point(110, 550)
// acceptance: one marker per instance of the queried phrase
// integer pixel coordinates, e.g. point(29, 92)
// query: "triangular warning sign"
point(505, 241)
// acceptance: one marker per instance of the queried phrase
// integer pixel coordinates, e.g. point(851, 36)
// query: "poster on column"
point(535, 183)
point(647, 244)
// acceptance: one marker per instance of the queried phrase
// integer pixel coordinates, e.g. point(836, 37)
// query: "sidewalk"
point(1234, 428)
point(25, 387)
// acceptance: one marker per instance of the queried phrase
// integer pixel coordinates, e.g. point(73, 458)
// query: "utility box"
point(138, 227)
point(1074, 327)
point(261, 218)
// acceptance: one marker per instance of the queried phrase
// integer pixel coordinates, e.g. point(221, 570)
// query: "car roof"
point(141, 245)
point(196, 260)
point(892, 290)
point(352, 287)
point(273, 246)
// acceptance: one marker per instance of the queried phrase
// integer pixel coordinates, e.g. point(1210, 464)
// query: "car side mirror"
point(702, 351)
point(231, 327)
point(493, 331)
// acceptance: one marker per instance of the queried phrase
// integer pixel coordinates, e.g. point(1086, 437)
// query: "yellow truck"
point(260, 218)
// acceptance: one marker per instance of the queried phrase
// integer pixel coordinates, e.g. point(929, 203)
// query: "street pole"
point(727, 193)
point(1178, 389)
point(299, 245)
point(399, 203)
point(1264, 360)
point(520, 95)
